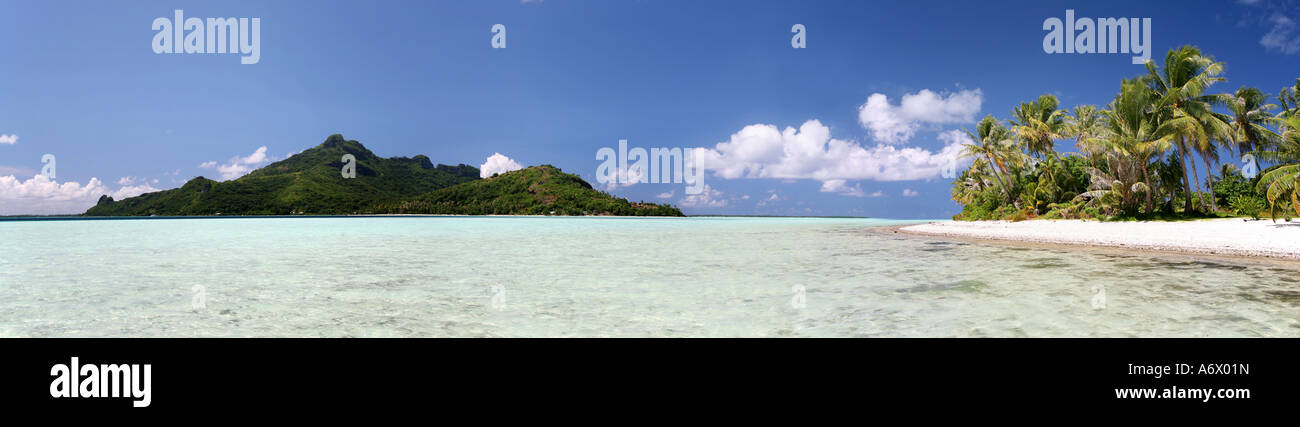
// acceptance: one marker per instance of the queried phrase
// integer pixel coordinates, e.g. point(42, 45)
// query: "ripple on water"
point(1041, 263)
point(432, 277)
point(960, 286)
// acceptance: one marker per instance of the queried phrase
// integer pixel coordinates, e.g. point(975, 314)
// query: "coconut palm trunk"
point(1196, 181)
point(1146, 178)
point(1209, 180)
point(994, 167)
point(1187, 185)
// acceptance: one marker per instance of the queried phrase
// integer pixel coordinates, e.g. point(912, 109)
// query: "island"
point(312, 183)
point(1169, 164)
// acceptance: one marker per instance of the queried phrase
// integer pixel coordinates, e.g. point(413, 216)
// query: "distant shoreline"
point(81, 217)
point(136, 217)
point(1232, 237)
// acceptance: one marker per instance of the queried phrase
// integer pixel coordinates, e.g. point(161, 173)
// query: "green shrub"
point(1247, 204)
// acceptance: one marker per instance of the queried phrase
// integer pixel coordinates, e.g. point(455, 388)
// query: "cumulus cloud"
point(841, 187)
point(893, 124)
point(127, 191)
point(627, 177)
point(908, 192)
point(497, 163)
point(1281, 35)
point(8, 139)
point(667, 195)
point(708, 197)
point(765, 151)
point(42, 196)
point(238, 166)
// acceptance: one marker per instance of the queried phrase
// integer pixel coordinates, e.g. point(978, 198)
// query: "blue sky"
point(80, 81)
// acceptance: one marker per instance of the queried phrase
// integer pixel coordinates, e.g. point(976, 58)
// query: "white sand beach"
point(1234, 237)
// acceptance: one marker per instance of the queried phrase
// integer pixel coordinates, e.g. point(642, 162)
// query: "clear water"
point(500, 276)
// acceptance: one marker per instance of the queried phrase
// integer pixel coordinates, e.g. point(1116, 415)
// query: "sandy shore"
point(1232, 237)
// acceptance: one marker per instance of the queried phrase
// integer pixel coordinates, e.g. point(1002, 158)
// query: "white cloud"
point(908, 192)
point(1281, 36)
point(15, 170)
point(41, 196)
point(258, 156)
point(893, 124)
point(8, 139)
point(627, 177)
point(841, 187)
point(128, 191)
point(764, 151)
point(233, 170)
point(238, 166)
point(667, 195)
point(497, 163)
point(708, 197)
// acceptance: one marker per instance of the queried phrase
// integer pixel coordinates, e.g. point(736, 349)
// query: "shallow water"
point(659, 277)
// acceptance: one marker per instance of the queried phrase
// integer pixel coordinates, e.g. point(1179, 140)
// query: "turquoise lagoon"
point(607, 277)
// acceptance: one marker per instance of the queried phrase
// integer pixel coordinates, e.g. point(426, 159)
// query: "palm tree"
point(1280, 184)
point(1209, 152)
point(1181, 86)
point(1248, 115)
point(972, 182)
point(1085, 125)
point(993, 143)
point(1039, 123)
point(1290, 99)
point(1133, 136)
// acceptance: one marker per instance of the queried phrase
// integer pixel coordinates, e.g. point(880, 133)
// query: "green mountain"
point(309, 182)
point(537, 190)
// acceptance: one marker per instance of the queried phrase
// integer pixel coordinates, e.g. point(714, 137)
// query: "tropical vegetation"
point(312, 183)
point(537, 190)
point(1142, 155)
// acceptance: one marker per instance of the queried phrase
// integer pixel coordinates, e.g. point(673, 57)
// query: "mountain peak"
point(307, 182)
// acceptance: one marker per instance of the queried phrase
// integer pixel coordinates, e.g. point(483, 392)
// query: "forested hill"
point(309, 182)
point(312, 183)
point(537, 190)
